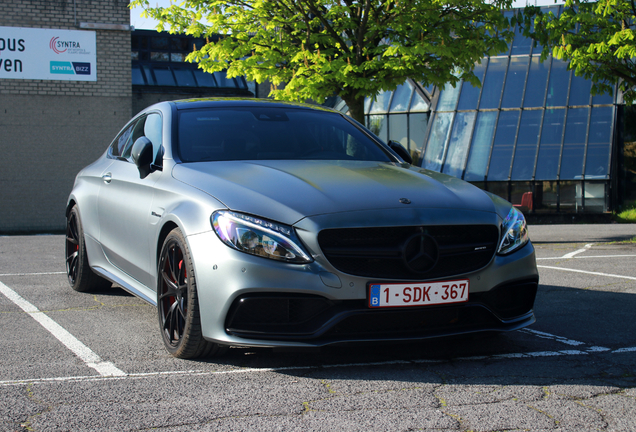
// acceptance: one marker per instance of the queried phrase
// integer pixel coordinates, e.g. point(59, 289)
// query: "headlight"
point(515, 233)
point(259, 237)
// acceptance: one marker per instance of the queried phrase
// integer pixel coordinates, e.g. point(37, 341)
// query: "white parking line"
point(561, 339)
point(587, 272)
point(31, 274)
point(509, 356)
point(583, 257)
point(576, 252)
point(91, 359)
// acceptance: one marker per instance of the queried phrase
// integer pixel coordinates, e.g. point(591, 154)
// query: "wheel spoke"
point(172, 287)
point(71, 266)
point(72, 228)
point(173, 263)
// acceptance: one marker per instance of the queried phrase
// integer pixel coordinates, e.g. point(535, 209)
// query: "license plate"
point(418, 294)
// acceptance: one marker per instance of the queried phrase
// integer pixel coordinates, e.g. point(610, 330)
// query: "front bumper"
point(251, 301)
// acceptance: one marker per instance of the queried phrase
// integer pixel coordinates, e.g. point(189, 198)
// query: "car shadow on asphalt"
point(571, 325)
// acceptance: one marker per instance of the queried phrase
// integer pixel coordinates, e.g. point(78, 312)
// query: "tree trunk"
point(356, 107)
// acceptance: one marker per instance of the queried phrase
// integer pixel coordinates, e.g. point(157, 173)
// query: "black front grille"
point(379, 252)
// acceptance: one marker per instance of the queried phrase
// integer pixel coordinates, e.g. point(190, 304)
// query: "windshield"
point(266, 133)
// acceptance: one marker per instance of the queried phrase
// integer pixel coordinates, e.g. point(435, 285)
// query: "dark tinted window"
point(436, 146)
point(470, 95)
point(502, 148)
point(526, 150)
point(550, 146)
point(480, 149)
point(265, 133)
point(598, 147)
point(537, 80)
point(574, 144)
point(493, 83)
point(515, 80)
point(579, 91)
point(558, 86)
point(459, 143)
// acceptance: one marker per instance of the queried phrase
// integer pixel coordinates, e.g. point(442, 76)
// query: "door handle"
point(107, 177)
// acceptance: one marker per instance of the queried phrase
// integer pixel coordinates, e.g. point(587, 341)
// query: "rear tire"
point(80, 275)
point(177, 302)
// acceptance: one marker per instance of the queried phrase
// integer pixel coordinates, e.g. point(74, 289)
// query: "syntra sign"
point(47, 54)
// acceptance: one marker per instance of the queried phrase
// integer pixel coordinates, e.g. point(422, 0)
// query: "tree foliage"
point(597, 38)
point(313, 49)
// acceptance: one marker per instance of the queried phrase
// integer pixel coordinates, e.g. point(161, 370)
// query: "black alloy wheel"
point(177, 302)
point(80, 276)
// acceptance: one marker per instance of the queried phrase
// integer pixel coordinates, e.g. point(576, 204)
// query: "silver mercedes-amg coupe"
point(260, 223)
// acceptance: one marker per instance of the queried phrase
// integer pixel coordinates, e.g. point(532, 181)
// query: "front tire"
point(177, 302)
point(80, 275)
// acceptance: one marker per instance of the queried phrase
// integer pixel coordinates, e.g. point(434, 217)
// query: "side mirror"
point(142, 156)
point(401, 151)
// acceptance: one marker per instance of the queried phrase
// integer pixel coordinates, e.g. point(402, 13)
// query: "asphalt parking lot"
point(74, 361)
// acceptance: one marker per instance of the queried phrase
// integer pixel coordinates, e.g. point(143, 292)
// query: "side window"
point(119, 145)
point(153, 131)
point(149, 126)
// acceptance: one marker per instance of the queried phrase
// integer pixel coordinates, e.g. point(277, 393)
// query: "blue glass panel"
point(537, 80)
point(574, 144)
point(402, 97)
point(448, 98)
point(419, 104)
point(520, 44)
point(223, 81)
point(241, 82)
point(480, 147)
point(526, 149)
point(149, 77)
point(381, 104)
point(398, 129)
point(604, 98)
point(459, 143)
point(579, 91)
point(417, 132)
point(493, 83)
point(599, 143)
point(550, 146)
point(137, 76)
point(378, 125)
point(470, 95)
point(204, 79)
point(502, 147)
point(367, 104)
point(515, 80)
point(558, 85)
point(184, 78)
point(164, 76)
point(546, 10)
point(436, 147)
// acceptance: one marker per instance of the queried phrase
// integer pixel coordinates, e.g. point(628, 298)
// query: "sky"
point(145, 23)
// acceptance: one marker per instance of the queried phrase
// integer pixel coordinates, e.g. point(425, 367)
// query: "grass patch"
point(627, 214)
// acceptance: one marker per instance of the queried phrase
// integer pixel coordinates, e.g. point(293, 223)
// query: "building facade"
point(532, 133)
point(51, 128)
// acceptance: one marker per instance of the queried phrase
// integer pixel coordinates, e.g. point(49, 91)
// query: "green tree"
point(313, 49)
point(597, 38)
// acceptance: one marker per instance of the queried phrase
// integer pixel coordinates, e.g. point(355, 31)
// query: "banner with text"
point(47, 54)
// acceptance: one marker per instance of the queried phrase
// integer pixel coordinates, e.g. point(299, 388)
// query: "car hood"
point(288, 191)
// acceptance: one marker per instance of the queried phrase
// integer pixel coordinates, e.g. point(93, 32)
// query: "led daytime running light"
point(515, 232)
point(259, 237)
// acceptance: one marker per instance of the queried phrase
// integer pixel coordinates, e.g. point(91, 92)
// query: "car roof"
point(242, 102)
